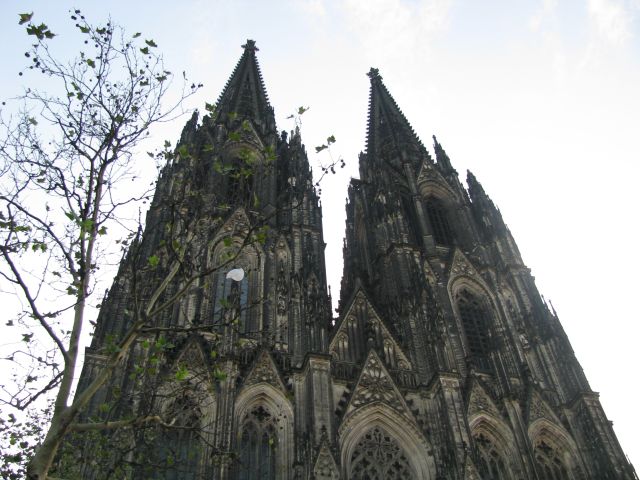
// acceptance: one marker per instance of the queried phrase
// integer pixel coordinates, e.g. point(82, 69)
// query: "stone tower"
point(444, 361)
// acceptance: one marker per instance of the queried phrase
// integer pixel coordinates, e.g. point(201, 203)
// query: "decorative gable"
point(264, 371)
point(376, 385)
point(470, 470)
point(538, 408)
point(481, 402)
point(361, 322)
point(325, 467)
point(462, 266)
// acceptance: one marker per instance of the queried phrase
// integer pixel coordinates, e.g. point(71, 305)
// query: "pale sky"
point(540, 99)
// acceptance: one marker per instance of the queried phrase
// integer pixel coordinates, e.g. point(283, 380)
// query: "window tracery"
point(491, 464)
point(378, 456)
point(475, 319)
point(231, 301)
point(550, 465)
point(258, 444)
point(437, 214)
point(180, 446)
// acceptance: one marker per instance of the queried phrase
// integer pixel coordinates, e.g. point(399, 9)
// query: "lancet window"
point(476, 320)
point(231, 301)
point(180, 446)
point(491, 464)
point(437, 214)
point(377, 456)
point(258, 445)
point(550, 465)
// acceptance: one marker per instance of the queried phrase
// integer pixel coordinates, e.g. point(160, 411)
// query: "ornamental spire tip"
point(250, 46)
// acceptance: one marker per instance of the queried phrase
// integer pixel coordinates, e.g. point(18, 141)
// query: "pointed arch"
point(181, 446)
point(493, 447)
point(263, 422)
point(375, 428)
point(554, 451)
point(238, 301)
point(437, 214)
point(475, 314)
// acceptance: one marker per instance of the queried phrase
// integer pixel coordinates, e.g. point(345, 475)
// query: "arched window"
point(550, 465)
point(476, 320)
point(231, 301)
point(377, 456)
point(491, 464)
point(437, 214)
point(179, 446)
point(258, 444)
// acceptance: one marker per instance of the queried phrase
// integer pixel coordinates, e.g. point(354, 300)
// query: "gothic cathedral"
point(444, 361)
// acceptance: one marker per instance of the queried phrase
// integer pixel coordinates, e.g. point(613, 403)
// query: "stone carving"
point(376, 385)
point(480, 402)
point(462, 266)
point(264, 371)
point(325, 467)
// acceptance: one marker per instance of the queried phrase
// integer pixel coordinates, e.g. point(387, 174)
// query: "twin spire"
point(390, 137)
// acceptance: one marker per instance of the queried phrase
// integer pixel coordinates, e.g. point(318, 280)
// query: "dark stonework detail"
point(444, 361)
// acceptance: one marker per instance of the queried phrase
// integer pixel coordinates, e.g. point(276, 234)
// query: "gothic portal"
point(443, 363)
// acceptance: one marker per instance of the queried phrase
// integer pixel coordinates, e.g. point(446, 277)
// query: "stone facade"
point(444, 361)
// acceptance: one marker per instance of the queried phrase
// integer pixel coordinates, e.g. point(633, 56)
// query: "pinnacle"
point(250, 46)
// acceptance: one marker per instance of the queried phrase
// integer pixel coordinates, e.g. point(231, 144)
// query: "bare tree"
point(61, 156)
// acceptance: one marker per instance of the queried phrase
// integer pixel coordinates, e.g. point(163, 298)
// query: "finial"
point(471, 176)
point(374, 74)
point(435, 141)
point(250, 46)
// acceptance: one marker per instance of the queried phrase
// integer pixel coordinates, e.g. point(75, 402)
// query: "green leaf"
point(167, 144)
point(210, 107)
point(321, 148)
point(145, 50)
point(33, 121)
point(234, 136)
point(91, 63)
point(219, 375)
point(151, 43)
point(183, 151)
point(182, 373)
point(301, 110)
point(84, 29)
point(137, 35)
point(102, 231)
point(153, 261)
point(227, 241)
point(331, 139)
point(24, 18)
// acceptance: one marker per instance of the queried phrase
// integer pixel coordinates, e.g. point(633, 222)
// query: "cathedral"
point(443, 363)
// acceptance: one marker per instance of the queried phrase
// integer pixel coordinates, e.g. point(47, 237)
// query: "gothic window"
point(491, 465)
point(258, 444)
point(437, 215)
point(231, 301)
point(475, 320)
point(179, 446)
point(377, 456)
point(550, 465)
point(239, 186)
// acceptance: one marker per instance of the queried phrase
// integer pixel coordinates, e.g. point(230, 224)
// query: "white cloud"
point(547, 11)
point(392, 27)
point(313, 7)
point(611, 20)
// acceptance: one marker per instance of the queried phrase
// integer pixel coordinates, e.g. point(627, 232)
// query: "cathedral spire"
point(442, 158)
point(390, 137)
point(244, 96)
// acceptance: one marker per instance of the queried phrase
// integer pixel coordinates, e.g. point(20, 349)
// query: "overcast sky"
point(540, 99)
